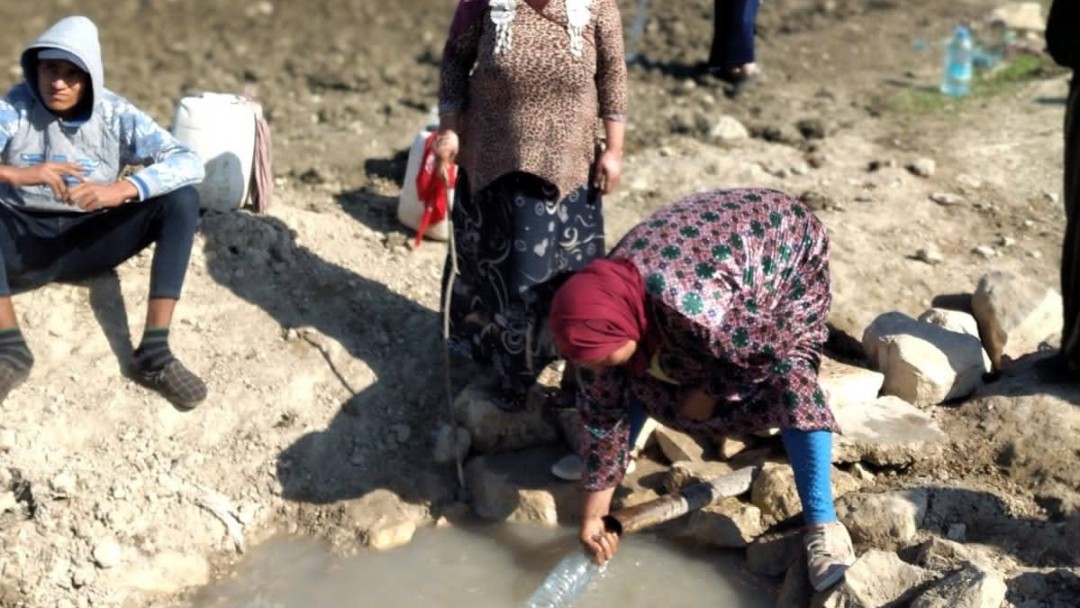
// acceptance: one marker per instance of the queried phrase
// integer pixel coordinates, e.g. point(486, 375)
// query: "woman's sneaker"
point(829, 553)
point(570, 468)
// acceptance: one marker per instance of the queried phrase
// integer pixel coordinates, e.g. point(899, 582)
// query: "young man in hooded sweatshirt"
point(65, 212)
point(1063, 43)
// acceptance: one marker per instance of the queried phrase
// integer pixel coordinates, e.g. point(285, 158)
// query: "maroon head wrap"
point(598, 310)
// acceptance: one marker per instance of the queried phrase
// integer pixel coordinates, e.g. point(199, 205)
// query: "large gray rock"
point(729, 447)
point(945, 555)
point(678, 446)
point(885, 521)
point(795, 591)
point(683, 474)
point(775, 494)
point(383, 520)
point(728, 128)
point(773, 554)
point(885, 432)
point(952, 320)
point(1014, 313)
point(1020, 16)
point(729, 524)
point(877, 579)
point(493, 430)
point(971, 587)
point(847, 384)
point(923, 364)
point(774, 491)
point(517, 487)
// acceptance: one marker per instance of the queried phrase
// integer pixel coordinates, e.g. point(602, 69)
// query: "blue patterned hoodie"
point(114, 134)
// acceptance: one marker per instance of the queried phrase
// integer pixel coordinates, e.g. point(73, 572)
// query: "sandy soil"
point(316, 326)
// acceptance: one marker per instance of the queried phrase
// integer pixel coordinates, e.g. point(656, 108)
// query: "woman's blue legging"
point(810, 453)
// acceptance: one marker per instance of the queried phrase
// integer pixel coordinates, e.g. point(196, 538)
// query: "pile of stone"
point(886, 412)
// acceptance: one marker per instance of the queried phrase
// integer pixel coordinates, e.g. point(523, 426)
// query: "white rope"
point(448, 290)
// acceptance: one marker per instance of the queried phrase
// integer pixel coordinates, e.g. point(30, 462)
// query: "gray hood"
point(77, 35)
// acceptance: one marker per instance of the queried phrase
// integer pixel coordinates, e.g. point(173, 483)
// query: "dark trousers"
point(733, 33)
point(1070, 255)
point(43, 247)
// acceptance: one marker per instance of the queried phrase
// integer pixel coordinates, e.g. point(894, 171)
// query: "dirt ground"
point(316, 326)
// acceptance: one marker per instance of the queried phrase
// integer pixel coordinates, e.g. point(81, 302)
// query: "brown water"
point(494, 566)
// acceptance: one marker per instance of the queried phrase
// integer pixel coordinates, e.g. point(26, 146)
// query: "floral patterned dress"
point(737, 299)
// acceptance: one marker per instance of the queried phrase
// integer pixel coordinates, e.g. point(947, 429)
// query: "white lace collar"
point(577, 14)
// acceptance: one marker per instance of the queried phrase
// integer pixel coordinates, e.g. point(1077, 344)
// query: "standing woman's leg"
point(733, 36)
point(466, 304)
point(1070, 257)
point(554, 234)
point(740, 36)
point(718, 60)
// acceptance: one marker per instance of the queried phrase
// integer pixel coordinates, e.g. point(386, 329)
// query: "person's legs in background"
point(1070, 257)
point(732, 56)
point(829, 550)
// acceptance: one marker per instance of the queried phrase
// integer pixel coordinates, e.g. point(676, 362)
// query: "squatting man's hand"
point(86, 195)
point(89, 196)
point(44, 174)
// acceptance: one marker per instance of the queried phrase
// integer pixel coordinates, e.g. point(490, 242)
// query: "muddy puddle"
point(479, 567)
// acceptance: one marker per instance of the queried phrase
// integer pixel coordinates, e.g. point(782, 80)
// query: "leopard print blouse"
point(533, 107)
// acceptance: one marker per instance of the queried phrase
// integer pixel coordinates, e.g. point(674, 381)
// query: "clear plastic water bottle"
point(959, 55)
point(566, 582)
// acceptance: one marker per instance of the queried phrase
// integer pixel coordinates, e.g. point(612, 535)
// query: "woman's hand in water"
point(697, 405)
point(600, 542)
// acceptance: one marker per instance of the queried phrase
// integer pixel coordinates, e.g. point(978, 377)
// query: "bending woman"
point(525, 84)
point(710, 315)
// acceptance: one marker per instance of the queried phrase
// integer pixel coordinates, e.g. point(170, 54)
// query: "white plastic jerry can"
point(410, 207)
point(220, 128)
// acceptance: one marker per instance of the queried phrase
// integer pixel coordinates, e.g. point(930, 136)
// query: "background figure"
point(710, 315)
point(732, 55)
point(1063, 42)
point(524, 85)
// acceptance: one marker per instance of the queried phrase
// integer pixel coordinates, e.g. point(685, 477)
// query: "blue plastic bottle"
point(959, 54)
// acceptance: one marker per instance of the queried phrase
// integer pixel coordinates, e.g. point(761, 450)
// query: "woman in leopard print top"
point(524, 85)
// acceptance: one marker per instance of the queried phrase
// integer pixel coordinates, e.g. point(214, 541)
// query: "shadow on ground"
point(378, 433)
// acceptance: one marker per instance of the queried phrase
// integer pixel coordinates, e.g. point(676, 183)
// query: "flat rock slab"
point(847, 384)
point(885, 432)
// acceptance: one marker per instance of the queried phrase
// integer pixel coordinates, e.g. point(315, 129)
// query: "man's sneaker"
point(829, 554)
point(10, 378)
point(174, 382)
